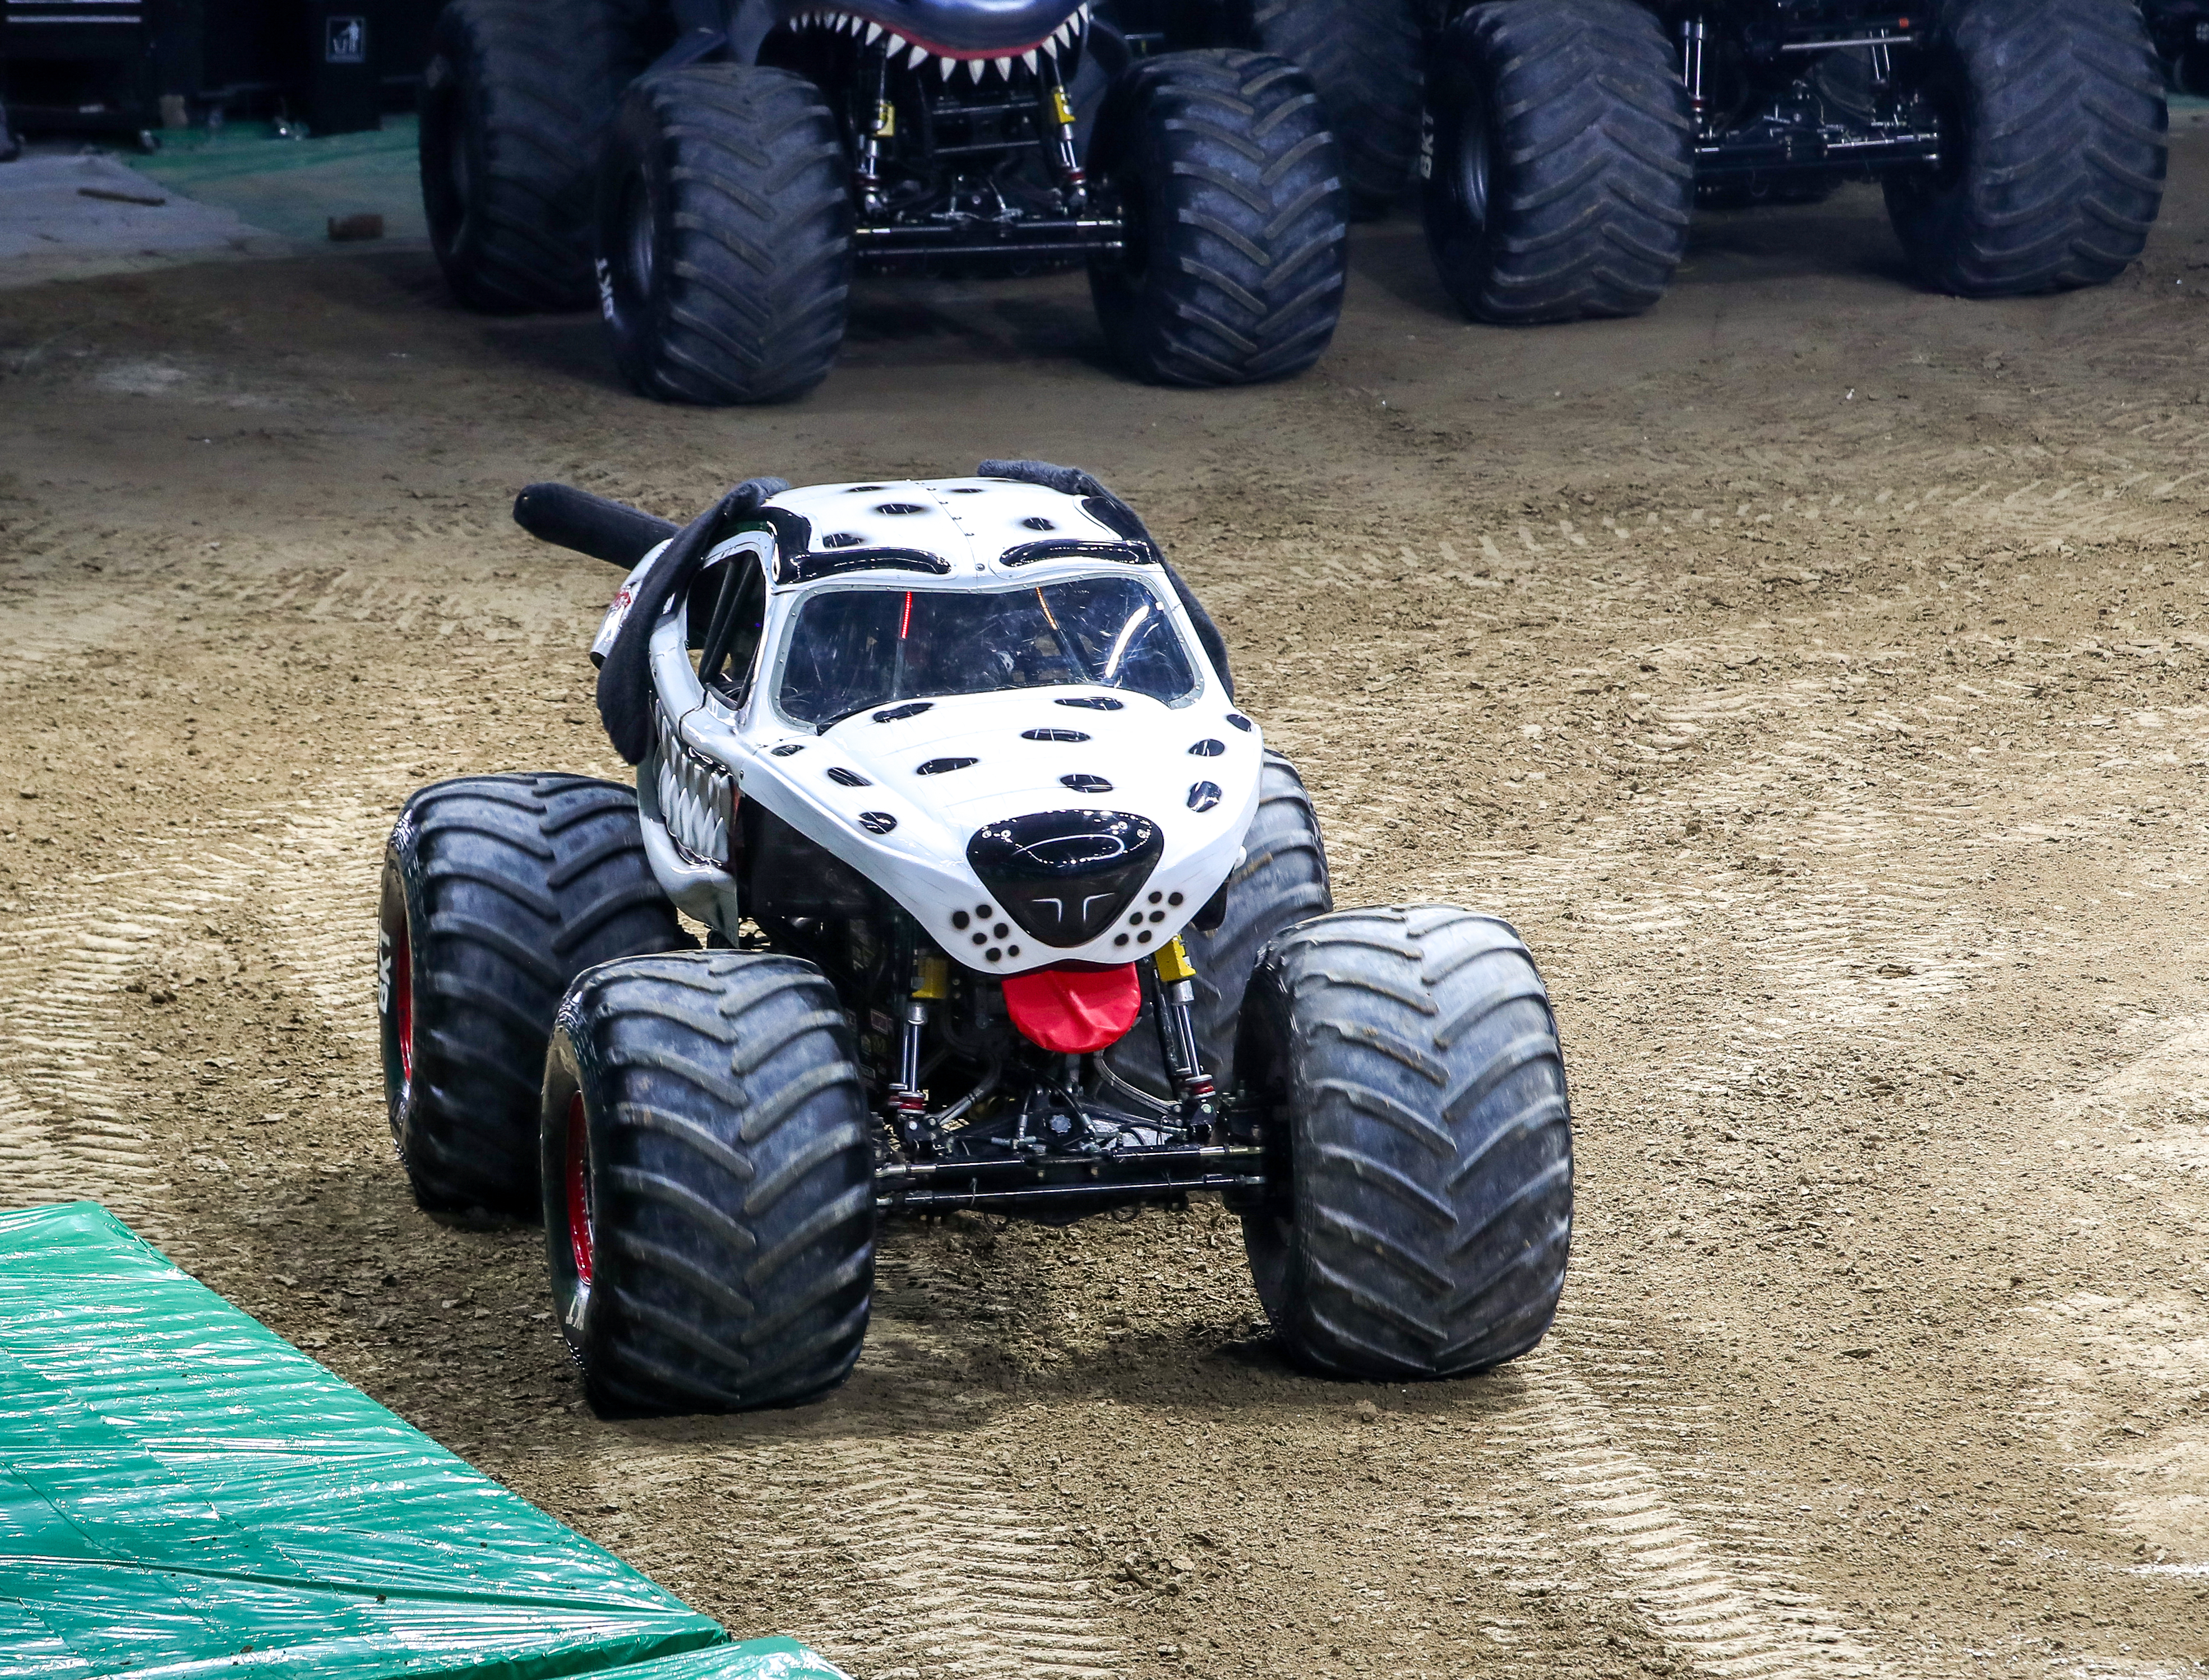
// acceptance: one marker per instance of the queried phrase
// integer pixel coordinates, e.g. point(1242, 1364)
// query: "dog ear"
point(625, 679)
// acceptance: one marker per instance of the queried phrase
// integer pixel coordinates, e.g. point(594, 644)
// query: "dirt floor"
point(1814, 670)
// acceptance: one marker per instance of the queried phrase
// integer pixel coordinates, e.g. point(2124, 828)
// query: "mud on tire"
point(497, 892)
point(1235, 249)
point(1561, 178)
point(724, 236)
point(1365, 60)
point(708, 1183)
point(1413, 1088)
point(2058, 118)
point(515, 102)
point(1281, 881)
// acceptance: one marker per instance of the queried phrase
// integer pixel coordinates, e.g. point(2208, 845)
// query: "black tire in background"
point(1231, 188)
point(1281, 881)
point(1413, 1094)
point(1366, 60)
point(516, 100)
point(724, 236)
point(2054, 120)
point(497, 892)
point(709, 1208)
point(1562, 177)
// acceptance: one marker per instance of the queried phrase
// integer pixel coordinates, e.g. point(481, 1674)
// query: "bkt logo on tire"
point(605, 288)
point(384, 971)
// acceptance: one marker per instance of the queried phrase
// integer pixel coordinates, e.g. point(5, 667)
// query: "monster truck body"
point(713, 176)
point(938, 669)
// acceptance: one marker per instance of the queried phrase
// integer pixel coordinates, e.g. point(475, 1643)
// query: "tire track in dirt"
point(886, 1518)
point(76, 1117)
point(74, 1099)
point(1580, 1479)
point(1713, 1577)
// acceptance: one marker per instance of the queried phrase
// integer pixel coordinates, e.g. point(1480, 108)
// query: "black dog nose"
point(1065, 875)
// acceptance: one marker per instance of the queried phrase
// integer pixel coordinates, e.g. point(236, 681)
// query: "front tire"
point(724, 236)
point(2058, 119)
point(1412, 1090)
point(1562, 174)
point(516, 100)
point(497, 892)
point(1234, 250)
point(709, 1210)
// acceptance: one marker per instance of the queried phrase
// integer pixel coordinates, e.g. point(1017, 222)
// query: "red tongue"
point(1074, 1010)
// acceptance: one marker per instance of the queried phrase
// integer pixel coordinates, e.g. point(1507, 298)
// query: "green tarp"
point(184, 1493)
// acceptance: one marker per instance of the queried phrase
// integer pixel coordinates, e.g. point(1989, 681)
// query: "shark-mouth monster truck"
point(1008, 907)
point(733, 163)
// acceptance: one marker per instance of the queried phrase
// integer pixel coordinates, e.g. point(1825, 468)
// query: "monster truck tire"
point(1365, 60)
point(515, 101)
point(1563, 173)
point(1234, 249)
point(1407, 1068)
point(2058, 120)
point(708, 1185)
point(724, 236)
point(1281, 881)
point(497, 892)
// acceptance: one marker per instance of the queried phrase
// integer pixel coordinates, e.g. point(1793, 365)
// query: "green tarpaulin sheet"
point(184, 1493)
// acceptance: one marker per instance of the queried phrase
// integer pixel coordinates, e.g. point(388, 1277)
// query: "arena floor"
point(1814, 670)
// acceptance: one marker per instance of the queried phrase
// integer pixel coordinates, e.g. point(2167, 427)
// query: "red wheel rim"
point(402, 1003)
point(579, 1245)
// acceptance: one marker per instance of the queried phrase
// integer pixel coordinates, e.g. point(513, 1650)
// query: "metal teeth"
point(1029, 58)
point(917, 58)
point(874, 33)
point(1004, 68)
point(948, 65)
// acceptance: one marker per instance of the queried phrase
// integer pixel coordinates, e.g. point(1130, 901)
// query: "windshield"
point(851, 649)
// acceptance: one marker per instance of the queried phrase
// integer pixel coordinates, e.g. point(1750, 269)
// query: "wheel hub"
point(582, 1245)
point(402, 1005)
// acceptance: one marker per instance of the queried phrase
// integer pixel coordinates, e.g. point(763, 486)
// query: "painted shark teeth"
point(868, 32)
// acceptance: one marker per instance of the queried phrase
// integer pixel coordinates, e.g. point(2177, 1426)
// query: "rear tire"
point(724, 236)
point(1364, 57)
point(1281, 881)
point(709, 1204)
point(2058, 118)
point(516, 100)
point(497, 892)
point(1413, 1092)
point(1561, 178)
point(1230, 191)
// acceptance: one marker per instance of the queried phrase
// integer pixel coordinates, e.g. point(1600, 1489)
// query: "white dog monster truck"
point(1008, 908)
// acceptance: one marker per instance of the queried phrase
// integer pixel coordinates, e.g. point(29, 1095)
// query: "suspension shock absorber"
point(880, 126)
point(931, 983)
point(1692, 38)
point(1055, 116)
point(1177, 991)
